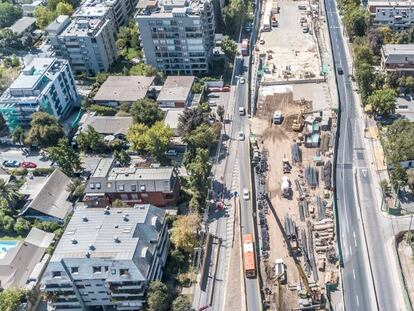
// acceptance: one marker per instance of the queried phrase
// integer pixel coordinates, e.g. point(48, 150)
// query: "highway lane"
point(360, 292)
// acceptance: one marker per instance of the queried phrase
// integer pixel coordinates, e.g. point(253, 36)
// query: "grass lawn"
point(11, 238)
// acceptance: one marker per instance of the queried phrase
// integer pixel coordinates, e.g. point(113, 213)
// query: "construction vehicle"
point(297, 124)
point(287, 168)
point(285, 186)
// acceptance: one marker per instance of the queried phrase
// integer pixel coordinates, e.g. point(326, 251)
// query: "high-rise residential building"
point(106, 258)
point(88, 41)
point(177, 35)
point(45, 84)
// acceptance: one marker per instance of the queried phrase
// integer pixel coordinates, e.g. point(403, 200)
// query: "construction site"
point(292, 144)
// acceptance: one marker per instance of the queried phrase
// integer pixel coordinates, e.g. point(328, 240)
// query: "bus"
point(248, 256)
point(245, 47)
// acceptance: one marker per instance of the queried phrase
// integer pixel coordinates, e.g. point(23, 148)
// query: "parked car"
point(340, 70)
point(27, 164)
point(261, 41)
point(11, 163)
point(241, 136)
point(242, 80)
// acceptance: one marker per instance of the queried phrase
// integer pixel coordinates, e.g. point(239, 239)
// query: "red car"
point(27, 164)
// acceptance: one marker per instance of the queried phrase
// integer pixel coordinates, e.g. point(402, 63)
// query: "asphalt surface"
point(367, 283)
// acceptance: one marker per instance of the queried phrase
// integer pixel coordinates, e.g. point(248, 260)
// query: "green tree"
point(76, 189)
point(364, 77)
point(21, 226)
point(398, 176)
point(45, 130)
point(146, 111)
point(65, 157)
point(201, 137)
point(6, 222)
point(137, 137)
point(9, 13)
point(18, 135)
point(220, 112)
point(158, 140)
point(91, 141)
point(190, 119)
point(142, 69)
point(4, 130)
point(233, 16)
point(63, 8)
point(229, 48)
point(158, 297)
point(181, 303)
point(410, 179)
point(199, 170)
point(356, 21)
point(9, 192)
point(43, 16)
point(10, 40)
point(11, 299)
point(407, 83)
point(382, 101)
point(184, 233)
point(127, 40)
point(103, 110)
point(122, 157)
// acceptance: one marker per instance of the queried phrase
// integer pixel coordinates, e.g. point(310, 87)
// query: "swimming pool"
point(5, 246)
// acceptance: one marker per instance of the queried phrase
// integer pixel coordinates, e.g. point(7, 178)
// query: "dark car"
point(11, 163)
point(340, 70)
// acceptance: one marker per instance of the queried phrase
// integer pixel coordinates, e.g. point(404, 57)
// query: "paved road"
point(365, 288)
point(17, 154)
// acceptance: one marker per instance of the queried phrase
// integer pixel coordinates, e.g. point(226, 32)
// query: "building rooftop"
point(167, 8)
point(398, 49)
point(92, 10)
point(23, 24)
point(32, 73)
point(105, 125)
point(124, 88)
point(142, 174)
point(50, 199)
point(58, 24)
point(116, 233)
point(18, 263)
point(84, 26)
point(394, 3)
point(176, 88)
point(172, 116)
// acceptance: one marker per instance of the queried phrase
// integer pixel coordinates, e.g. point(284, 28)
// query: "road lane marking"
point(357, 299)
point(350, 250)
point(355, 240)
point(353, 272)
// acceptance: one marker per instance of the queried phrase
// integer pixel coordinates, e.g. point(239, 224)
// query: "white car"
point(242, 80)
point(261, 41)
point(246, 194)
point(241, 136)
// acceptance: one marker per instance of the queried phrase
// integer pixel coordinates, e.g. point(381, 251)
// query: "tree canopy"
point(181, 303)
point(91, 141)
point(233, 16)
point(142, 69)
point(184, 233)
point(45, 130)
point(189, 119)
point(383, 101)
point(398, 141)
point(158, 297)
point(9, 13)
point(146, 111)
point(65, 157)
point(229, 48)
point(11, 298)
point(202, 136)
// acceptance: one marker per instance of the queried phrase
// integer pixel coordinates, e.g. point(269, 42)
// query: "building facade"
point(88, 41)
point(177, 36)
point(396, 14)
point(45, 84)
point(133, 185)
point(398, 58)
point(106, 258)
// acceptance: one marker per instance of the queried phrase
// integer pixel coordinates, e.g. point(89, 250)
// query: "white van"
point(242, 111)
point(277, 117)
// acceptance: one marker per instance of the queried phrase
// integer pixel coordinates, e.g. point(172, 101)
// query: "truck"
point(280, 271)
point(244, 49)
point(277, 117)
point(285, 186)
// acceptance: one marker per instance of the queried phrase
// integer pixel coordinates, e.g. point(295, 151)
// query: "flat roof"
point(124, 88)
point(97, 227)
point(106, 125)
point(398, 49)
point(172, 117)
point(21, 25)
point(32, 73)
point(176, 88)
point(138, 173)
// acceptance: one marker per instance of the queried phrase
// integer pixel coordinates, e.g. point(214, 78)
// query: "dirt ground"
point(405, 254)
point(277, 141)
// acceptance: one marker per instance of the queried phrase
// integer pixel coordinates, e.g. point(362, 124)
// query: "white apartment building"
point(45, 84)
point(88, 41)
point(106, 258)
point(396, 14)
point(177, 35)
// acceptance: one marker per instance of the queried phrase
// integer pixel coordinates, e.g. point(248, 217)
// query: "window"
point(98, 185)
point(113, 271)
point(123, 272)
point(134, 196)
point(121, 187)
point(101, 292)
point(92, 186)
point(74, 269)
point(142, 188)
point(106, 268)
point(109, 185)
point(133, 187)
point(56, 274)
point(97, 269)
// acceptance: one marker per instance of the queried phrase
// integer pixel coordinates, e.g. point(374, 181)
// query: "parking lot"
point(16, 154)
point(290, 53)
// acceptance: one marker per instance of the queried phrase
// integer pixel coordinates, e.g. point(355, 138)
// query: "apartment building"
point(177, 36)
point(398, 58)
point(118, 10)
point(45, 84)
point(88, 41)
point(159, 186)
point(106, 258)
point(396, 14)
